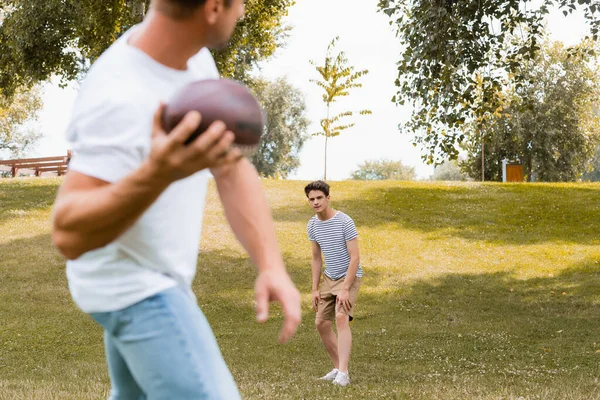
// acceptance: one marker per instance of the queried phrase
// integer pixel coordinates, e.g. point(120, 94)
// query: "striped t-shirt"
point(332, 235)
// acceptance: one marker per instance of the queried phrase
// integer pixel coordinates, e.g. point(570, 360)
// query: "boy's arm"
point(352, 246)
point(249, 216)
point(344, 295)
point(317, 267)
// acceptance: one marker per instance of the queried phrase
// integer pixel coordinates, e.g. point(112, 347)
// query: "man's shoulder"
point(113, 88)
point(116, 98)
point(106, 83)
point(204, 64)
point(119, 74)
point(110, 107)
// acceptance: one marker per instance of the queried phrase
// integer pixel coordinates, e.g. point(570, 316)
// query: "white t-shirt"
point(110, 134)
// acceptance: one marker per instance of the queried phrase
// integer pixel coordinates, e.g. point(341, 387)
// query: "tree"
point(15, 137)
point(458, 55)
point(42, 38)
point(593, 174)
point(384, 170)
point(448, 171)
point(285, 131)
point(552, 125)
point(337, 79)
point(256, 38)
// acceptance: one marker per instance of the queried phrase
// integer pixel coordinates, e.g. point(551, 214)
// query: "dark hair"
point(182, 8)
point(317, 185)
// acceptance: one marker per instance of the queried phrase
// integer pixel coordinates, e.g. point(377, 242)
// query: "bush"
point(384, 170)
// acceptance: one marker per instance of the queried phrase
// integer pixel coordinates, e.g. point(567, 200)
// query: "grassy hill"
point(482, 291)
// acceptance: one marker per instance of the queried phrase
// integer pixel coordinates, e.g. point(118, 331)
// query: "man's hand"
point(316, 297)
point(343, 299)
point(277, 286)
point(172, 159)
point(90, 213)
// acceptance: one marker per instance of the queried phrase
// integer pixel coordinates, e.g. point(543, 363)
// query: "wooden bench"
point(37, 166)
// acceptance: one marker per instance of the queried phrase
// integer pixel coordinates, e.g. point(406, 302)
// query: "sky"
point(369, 43)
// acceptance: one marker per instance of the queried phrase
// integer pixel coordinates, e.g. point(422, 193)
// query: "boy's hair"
point(180, 9)
point(317, 185)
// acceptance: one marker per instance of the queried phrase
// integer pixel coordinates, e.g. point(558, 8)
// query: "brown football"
point(219, 100)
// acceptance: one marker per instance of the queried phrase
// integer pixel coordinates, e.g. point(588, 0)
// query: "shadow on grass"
point(20, 196)
point(511, 214)
point(492, 328)
point(487, 324)
point(220, 270)
point(470, 317)
point(42, 333)
point(470, 301)
point(456, 328)
point(33, 260)
point(429, 335)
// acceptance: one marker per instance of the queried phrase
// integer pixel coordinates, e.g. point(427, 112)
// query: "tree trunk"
point(482, 159)
point(326, 138)
point(325, 171)
point(138, 9)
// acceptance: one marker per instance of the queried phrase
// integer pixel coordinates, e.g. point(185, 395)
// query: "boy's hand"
point(316, 297)
point(343, 299)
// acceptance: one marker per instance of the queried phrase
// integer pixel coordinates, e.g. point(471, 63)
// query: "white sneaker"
point(330, 376)
point(341, 379)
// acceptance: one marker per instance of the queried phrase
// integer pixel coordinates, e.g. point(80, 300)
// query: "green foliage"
point(593, 174)
point(256, 38)
point(551, 123)
point(337, 78)
point(384, 170)
point(42, 38)
point(456, 59)
point(15, 137)
point(448, 171)
point(286, 128)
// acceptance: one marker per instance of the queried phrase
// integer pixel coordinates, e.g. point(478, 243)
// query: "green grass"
point(470, 291)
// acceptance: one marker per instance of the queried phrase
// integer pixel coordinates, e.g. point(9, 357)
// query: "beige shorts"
point(330, 288)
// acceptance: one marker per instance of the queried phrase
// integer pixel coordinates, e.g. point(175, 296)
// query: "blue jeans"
point(163, 348)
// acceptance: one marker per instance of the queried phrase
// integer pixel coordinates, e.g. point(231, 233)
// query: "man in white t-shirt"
point(128, 215)
point(334, 237)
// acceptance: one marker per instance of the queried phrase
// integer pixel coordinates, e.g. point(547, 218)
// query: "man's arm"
point(90, 213)
point(249, 216)
point(344, 296)
point(317, 268)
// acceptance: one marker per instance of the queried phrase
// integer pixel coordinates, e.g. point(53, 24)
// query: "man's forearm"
point(351, 274)
point(248, 213)
point(85, 220)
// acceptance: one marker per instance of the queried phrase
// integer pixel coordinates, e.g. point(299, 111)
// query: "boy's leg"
point(329, 339)
point(170, 349)
point(324, 324)
point(342, 323)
